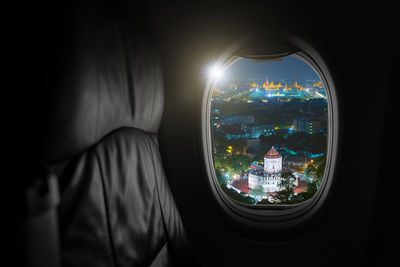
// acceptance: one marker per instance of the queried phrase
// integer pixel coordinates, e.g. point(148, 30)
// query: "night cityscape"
point(270, 126)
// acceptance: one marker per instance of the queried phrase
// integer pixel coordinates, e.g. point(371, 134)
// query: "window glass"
point(269, 124)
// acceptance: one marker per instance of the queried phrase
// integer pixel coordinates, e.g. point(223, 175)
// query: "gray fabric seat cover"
point(106, 95)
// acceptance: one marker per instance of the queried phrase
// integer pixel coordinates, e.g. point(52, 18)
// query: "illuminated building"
point(318, 84)
point(255, 130)
point(307, 126)
point(296, 161)
point(287, 88)
point(271, 86)
point(267, 86)
point(269, 176)
point(272, 162)
point(298, 86)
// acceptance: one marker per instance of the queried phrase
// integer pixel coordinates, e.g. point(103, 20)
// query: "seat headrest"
point(106, 76)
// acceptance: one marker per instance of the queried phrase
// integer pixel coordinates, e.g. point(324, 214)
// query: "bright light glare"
point(215, 71)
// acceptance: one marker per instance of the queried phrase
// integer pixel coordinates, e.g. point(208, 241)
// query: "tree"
point(258, 193)
point(303, 196)
point(315, 172)
point(319, 174)
point(243, 162)
point(234, 164)
point(287, 186)
point(220, 140)
point(260, 156)
point(239, 146)
point(218, 161)
point(221, 180)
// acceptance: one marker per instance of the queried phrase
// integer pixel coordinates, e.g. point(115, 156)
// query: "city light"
point(229, 150)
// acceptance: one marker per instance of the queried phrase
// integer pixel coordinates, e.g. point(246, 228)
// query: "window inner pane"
point(269, 124)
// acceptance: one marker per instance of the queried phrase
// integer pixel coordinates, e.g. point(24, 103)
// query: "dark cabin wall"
point(350, 38)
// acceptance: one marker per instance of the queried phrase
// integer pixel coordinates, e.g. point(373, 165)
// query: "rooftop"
point(273, 154)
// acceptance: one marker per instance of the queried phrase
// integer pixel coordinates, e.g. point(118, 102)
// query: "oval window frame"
point(275, 221)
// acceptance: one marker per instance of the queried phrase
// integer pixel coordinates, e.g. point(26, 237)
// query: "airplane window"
point(269, 128)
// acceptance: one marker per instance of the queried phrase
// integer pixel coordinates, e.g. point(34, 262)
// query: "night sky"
point(290, 69)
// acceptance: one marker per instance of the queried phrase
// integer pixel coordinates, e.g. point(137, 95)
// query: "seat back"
point(106, 95)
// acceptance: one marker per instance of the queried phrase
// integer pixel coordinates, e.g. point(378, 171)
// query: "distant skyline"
point(289, 68)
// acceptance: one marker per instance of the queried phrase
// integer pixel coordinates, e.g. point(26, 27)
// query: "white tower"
point(272, 162)
point(270, 177)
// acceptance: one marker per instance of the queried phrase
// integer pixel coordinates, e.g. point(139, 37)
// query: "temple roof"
point(273, 154)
